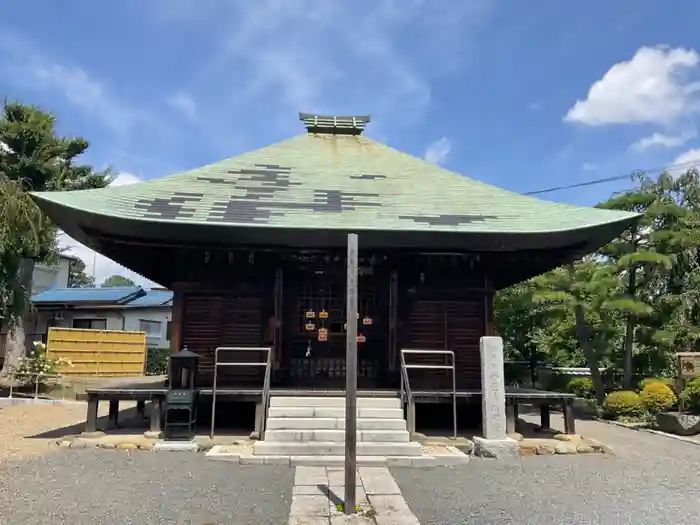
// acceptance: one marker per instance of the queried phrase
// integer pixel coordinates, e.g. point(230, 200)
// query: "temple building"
point(253, 248)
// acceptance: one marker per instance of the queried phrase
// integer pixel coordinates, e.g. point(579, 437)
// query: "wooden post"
point(351, 378)
point(92, 413)
point(176, 320)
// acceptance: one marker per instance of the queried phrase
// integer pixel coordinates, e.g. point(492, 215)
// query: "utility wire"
point(614, 178)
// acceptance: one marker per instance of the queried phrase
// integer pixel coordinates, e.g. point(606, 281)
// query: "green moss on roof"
point(335, 182)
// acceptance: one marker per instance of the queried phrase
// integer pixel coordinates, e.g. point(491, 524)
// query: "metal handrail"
point(266, 382)
point(406, 386)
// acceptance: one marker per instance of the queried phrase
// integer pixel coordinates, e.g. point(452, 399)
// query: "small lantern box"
point(361, 339)
point(310, 327)
point(323, 315)
point(322, 334)
point(310, 314)
point(367, 321)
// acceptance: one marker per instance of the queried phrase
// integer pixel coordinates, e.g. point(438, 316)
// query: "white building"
point(120, 308)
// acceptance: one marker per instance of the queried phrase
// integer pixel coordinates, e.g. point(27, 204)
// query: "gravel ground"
point(22, 427)
point(650, 480)
point(32, 430)
point(108, 487)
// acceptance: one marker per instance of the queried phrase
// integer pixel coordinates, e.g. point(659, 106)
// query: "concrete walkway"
point(319, 493)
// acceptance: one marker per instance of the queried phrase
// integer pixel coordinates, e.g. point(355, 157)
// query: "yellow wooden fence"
point(106, 353)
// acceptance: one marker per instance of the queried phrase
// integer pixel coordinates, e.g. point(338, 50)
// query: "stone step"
point(337, 436)
point(334, 412)
point(329, 448)
point(334, 402)
point(321, 423)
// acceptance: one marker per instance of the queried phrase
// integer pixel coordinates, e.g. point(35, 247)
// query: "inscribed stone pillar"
point(493, 392)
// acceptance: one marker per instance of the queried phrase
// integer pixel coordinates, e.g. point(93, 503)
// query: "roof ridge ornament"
point(334, 125)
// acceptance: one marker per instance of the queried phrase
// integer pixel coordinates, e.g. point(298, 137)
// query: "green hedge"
point(157, 361)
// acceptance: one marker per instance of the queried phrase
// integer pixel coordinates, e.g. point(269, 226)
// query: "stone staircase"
point(315, 427)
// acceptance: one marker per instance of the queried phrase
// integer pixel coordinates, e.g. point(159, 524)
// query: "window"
point(152, 328)
point(90, 324)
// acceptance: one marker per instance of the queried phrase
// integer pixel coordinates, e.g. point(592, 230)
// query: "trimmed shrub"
point(657, 397)
point(623, 404)
point(581, 387)
point(691, 395)
point(649, 380)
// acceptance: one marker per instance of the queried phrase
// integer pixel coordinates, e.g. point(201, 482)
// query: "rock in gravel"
point(527, 449)
point(572, 438)
point(565, 448)
point(545, 449)
point(584, 448)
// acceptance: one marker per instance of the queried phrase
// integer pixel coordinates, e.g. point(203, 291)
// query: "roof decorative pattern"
point(333, 181)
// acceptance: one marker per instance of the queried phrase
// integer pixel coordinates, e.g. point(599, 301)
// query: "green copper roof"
point(329, 181)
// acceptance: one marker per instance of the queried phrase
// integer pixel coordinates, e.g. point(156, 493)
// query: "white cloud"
point(685, 161)
point(299, 56)
point(662, 140)
point(658, 85)
point(96, 264)
point(124, 179)
point(32, 68)
point(589, 166)
point(438, 151)
point(185, 104)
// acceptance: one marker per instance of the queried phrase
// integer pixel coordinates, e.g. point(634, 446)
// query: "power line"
point(614, 178)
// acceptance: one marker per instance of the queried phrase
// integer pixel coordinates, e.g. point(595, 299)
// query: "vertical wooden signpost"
point(351, 378)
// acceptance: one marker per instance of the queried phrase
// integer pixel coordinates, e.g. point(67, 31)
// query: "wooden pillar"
point(178, 312)
point(92, 409)
point(156, 409)
point(114, 413)
point(569, 421)
point(545, 420)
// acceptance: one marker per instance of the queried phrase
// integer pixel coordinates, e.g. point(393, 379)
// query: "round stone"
point(565, 448)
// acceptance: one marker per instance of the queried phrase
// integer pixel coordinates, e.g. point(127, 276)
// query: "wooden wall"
point(443, 306)
point(416, 301)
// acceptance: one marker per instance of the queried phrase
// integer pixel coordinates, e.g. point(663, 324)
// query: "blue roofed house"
point(120, 308)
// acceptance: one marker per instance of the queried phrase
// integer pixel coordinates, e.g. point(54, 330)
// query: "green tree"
point(33, 157)
point(636, 259)
point(114, 281)
point(77, 278)
point(516, 319)
point(583, 289)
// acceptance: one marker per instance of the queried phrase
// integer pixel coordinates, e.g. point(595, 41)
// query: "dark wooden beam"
point(178, 312)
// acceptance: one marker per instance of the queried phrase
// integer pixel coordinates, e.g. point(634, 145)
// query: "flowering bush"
point(38, 365)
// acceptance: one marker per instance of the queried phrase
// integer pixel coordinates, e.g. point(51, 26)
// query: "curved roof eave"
point(82, 224)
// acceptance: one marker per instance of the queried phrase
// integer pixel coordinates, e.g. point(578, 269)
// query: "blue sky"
point(524, 95)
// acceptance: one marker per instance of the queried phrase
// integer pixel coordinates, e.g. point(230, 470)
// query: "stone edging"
point(639, 427)
point(455, 457)
point(9, 401)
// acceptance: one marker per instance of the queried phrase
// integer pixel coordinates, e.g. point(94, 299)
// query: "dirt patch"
point(32, 430)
